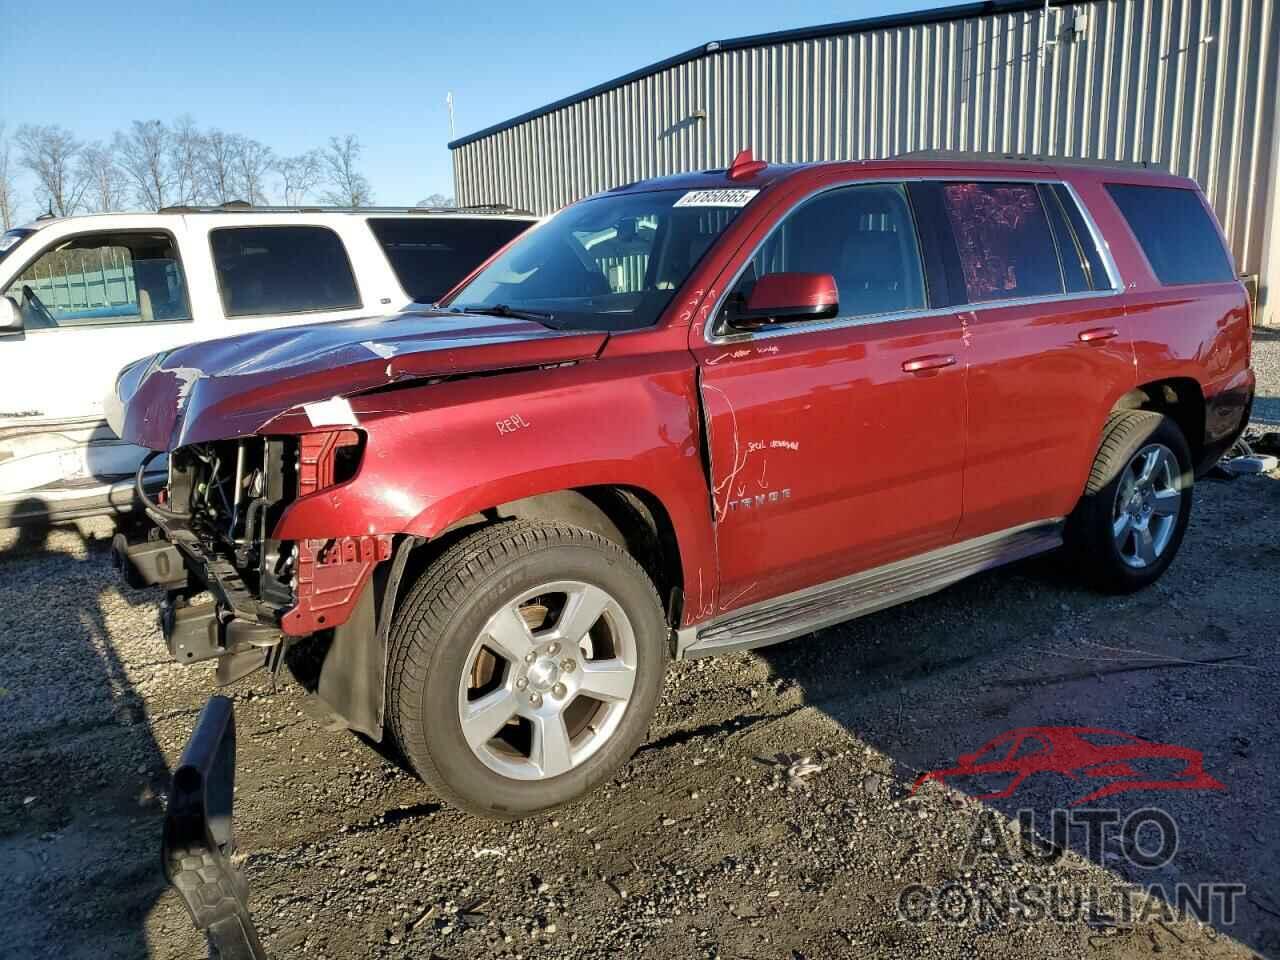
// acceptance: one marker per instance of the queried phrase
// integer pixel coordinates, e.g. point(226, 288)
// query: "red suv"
point(689, 415)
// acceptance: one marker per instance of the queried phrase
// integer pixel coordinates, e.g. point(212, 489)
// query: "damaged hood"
point(232, 388)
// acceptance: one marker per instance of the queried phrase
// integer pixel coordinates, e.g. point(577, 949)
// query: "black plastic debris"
point(197, 845)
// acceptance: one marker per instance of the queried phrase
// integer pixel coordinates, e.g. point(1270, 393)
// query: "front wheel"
point(524, 667)
point(1128, 526)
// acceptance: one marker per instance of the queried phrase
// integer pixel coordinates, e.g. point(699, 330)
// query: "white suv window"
point(266, 271)
point(98, 279)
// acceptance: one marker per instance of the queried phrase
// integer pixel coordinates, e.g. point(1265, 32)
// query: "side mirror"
point(10, 316)
point(785, 297)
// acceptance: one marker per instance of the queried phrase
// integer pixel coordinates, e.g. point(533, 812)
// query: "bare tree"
point(8, 191)
point(347, 186)
point(253, 161)
point(106, 185)
point(143, 154)
point(185, 148)
point(299, 175)
point(51, 153)
point(437, 200)
point(217, 166)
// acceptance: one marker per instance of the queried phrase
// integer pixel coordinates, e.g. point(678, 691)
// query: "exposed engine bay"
point(214, 532)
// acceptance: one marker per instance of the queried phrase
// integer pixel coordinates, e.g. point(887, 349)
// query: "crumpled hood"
point(230, 388)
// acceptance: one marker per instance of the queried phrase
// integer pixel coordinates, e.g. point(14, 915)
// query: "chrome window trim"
point(714, 338)
point(1099, 241)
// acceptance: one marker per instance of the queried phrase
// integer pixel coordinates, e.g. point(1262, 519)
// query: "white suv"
point(84, 296)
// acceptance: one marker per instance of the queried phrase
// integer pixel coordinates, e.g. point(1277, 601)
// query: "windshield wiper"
point(502, 310)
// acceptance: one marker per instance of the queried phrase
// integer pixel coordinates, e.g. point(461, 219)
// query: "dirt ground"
point(770, 814)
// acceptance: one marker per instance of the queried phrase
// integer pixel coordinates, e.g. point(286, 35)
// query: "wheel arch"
point(630, 516)
point(1179, 398)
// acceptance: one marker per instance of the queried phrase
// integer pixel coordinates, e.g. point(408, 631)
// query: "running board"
point(782, 618)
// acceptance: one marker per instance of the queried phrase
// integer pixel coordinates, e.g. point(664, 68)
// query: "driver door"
point(91, 302)
point(828, 454)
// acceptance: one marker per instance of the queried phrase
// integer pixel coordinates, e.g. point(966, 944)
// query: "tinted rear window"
point(275, 270)
point(1175, 232)
point(430, 255)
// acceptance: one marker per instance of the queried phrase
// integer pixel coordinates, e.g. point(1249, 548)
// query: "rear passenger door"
point(829, 455)
point(1046, 343)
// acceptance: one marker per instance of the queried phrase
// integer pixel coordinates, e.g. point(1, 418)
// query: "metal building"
point(1188, 84)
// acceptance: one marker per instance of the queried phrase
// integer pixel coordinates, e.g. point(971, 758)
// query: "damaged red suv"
point(690, 415)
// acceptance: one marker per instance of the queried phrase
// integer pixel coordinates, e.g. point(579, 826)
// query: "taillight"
point(327, 459)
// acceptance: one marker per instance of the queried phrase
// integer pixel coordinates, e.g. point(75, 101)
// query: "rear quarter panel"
point(1200, 331)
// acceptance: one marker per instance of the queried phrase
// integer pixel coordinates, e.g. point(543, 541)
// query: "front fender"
point(438, 453)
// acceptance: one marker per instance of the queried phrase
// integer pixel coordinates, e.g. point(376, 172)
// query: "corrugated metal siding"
point(1187, 83)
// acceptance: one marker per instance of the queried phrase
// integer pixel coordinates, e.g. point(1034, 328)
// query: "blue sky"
point(291, 73)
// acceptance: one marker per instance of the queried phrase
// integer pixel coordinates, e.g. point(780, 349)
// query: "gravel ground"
point(769, 815)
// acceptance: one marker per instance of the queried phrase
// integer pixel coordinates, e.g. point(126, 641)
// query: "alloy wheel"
point(1147, 505)
point(548, 680)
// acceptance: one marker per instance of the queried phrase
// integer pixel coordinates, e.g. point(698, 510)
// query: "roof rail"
point(979, 155)
point(498, 207)
point(239, 206)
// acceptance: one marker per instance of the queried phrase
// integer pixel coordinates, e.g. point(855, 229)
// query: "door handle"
point(1098, 335)
point(934, 361)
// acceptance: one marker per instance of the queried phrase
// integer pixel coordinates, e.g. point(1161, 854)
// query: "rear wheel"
point(1129, 524)
point(524, 667)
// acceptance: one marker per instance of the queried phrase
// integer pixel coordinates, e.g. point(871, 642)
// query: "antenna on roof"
point(744, 165)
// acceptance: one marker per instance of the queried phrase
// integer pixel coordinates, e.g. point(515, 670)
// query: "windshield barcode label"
point(716, 198)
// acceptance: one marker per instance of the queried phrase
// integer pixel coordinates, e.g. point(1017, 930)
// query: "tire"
point(1128, 526)
point(496, 625)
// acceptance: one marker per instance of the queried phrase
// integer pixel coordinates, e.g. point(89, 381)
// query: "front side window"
point(431, 254)
point(863, 236)
point(266, 271)
point(1027, 747)
point(610, 263)
point(98, 279)
point(1175, 232)
point(1004, 240)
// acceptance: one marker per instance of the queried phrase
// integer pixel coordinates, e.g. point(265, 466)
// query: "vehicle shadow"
point(80, 812)
point(930, 681)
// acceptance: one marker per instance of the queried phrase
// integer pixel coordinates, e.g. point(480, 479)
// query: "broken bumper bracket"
point(197, 844)
point(152, 563)
point(202, 631)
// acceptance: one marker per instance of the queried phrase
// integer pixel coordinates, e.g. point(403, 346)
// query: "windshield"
point(610, 263)
point(10, 240)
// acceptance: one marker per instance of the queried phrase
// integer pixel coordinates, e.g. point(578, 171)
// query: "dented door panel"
point(828, 457)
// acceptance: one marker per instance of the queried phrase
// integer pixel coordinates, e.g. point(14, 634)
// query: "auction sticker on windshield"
point(716, 198)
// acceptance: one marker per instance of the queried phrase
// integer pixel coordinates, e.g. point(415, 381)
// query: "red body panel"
point(623, 421)
point(830, 450)
point(1038, 398)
